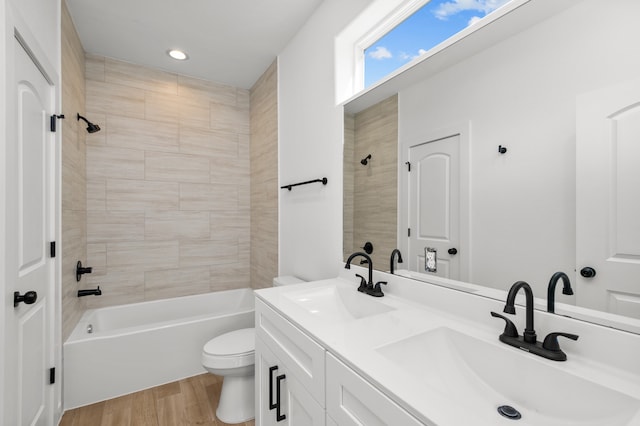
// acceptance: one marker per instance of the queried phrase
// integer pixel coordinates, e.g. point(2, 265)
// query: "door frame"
point(405, 142)
point(13, 26)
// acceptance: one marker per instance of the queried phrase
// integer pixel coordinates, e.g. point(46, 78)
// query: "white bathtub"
point(141, 345)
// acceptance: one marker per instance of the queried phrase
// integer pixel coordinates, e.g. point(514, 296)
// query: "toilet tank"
point(286, 280)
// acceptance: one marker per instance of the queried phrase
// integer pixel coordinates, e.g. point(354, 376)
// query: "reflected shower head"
point(91, 128)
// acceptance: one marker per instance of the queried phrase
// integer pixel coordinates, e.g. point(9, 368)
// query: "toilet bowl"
point(232, 356)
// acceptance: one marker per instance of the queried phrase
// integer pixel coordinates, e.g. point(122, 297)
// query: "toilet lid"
point(235, 342)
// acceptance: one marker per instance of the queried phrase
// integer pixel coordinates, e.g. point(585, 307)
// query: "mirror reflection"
point(523, 163)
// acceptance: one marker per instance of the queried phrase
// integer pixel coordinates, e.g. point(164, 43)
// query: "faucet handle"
point(510, 329)
point(363, 283)
point(377, 291)
point(551, 341)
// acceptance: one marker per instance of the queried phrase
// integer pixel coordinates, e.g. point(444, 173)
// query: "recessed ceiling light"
point(178, 55)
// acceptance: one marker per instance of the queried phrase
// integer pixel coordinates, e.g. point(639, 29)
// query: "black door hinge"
point(52, 249)
point(53, 121)
point(408, 232)
point(52, 375)
point(408, 166)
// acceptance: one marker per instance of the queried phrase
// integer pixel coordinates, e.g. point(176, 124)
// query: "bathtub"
point(141, 345)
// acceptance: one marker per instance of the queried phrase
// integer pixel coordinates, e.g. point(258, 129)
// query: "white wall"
point(521, 94)
point(310, 145)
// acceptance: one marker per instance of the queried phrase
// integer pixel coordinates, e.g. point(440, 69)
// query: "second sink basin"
point(337, 302)
point(483, 376)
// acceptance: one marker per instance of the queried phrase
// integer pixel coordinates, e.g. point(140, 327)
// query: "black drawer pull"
point(279, 379)
point(271, 404)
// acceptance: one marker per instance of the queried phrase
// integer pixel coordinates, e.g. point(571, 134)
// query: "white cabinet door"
point(281, 398)
point(352, 401)
point(295, 350)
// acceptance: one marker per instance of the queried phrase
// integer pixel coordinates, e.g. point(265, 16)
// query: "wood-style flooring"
point(187, 402)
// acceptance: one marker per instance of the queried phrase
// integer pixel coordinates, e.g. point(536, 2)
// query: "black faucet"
point(551, 290)
point(93, 291)
point(528, 341)
point(393, 253)
point(366, 287)
point(363, 285)
point(529, 333)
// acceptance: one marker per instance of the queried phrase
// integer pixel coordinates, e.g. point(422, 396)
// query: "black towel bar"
point(323, 180)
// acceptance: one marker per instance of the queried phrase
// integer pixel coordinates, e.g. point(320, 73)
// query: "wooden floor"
point(191, 401)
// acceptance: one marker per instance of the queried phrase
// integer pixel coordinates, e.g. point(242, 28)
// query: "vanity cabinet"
point(294, 373)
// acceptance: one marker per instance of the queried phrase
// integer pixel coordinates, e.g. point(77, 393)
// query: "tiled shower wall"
point(74, 202)
point(167, 184)
point(264, 178)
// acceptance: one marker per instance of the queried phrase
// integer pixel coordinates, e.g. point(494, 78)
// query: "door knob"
point(452, 251)
point(588, 272)
point(28, 298)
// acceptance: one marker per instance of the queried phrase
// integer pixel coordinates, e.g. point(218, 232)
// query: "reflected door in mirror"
point(434, 205)
point(608, 200)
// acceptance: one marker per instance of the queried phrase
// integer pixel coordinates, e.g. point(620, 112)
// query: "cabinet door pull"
point(279, 379)
point(271, 404)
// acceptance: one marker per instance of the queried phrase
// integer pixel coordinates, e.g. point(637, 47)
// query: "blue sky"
point(435, 22)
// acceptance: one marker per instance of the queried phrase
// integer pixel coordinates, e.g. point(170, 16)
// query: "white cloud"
point(474, 20)
point(456, 6)
point(380, 53)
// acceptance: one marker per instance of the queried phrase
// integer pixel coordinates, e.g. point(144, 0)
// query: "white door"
point(608, 199)
point(30, 224)
point(434, 204)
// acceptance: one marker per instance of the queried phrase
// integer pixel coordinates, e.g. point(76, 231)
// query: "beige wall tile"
point(194, 88)
point(127, 194)
point(210, 197)
point(261, 150)
point(110, 99)
point(97, 194)
point(94, 67)
point(176, 225)
point(194, 112)
point(105, 226)
point(209, 143)
point(141, 134)
point(73, 243)
point(136, 76)
point(176, 167)
point(208, 252)
point(119, 287)
point(228, 277)
point(229, 118)
point(97, 258)
point(106, 162)
point(176, 282)
point(142, 255)
point(161, 107)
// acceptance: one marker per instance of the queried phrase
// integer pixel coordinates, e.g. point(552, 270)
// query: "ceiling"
point(228, 41)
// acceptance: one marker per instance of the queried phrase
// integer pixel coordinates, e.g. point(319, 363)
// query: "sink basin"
point(482, 376)
point(339, 303)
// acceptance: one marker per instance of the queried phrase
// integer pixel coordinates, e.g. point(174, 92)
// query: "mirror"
point(523, 213)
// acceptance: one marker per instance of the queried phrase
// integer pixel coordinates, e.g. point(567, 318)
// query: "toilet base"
point(237, 399)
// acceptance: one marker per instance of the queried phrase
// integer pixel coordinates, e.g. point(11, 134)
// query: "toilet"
point(232, 356)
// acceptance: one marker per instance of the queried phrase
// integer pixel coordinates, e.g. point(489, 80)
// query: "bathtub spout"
point(94, 291)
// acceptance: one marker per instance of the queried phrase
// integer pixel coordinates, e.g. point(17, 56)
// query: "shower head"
point(365, 160)
point(91, 128)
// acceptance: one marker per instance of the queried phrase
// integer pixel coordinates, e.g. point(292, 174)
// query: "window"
point(430, 25)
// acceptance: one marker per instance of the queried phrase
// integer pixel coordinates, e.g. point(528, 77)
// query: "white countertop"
point(420, 308)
